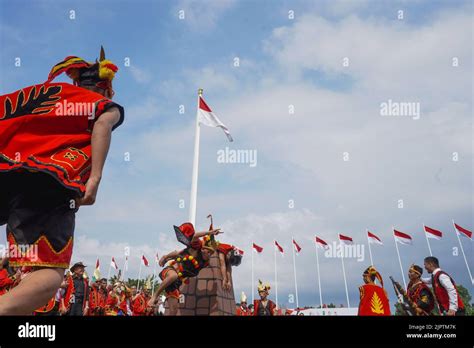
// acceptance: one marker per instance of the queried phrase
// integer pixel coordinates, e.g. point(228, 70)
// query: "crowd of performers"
point(418, 299)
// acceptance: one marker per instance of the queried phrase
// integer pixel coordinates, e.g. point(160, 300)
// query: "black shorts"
point(40, 217)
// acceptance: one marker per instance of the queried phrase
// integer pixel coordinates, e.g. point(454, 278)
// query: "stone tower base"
point(203, 295)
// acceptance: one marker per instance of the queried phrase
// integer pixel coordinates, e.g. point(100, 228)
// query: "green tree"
point(466, 299)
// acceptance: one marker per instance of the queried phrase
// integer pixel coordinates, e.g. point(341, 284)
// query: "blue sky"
point(282, 62)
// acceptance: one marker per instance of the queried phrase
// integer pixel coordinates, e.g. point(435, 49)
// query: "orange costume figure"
point(138, 303)
point(98, 298)
point(373, 298)
point(9, 277)
point(242, 310)
point(264, 306)
point(117, 301)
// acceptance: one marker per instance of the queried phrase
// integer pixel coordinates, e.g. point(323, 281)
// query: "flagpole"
point(124, 267)
point(427, 240)
point(344, 273)
point(294, 272)
point(319, 276)
point(108, 273)
point(463, 254)
point(253, 296)
point(370, 250)
point(194, 182)
point(276, 276)
point(154, 278)
point(399, 259)
point(139, 275)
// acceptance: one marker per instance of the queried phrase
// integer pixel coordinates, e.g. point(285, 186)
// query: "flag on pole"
point(113, 263)
point(125, 266)
point(257, 248)
point(432, 233)
point(208, 118)
point(297, 247)
point(145, 261)
point(321, 244)
point(96, 274)
point(157, 258)
point(345, 239)
point(240, 251)
point(373, 239)
point(279, 248)
point(402, 238)
point(462, 231)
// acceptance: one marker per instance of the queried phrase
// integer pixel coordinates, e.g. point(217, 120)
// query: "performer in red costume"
point(55, 139)
point(117, 301)
point(183, 264)
point(264, 307)
point(98, 298)
point(242, 309)
point(373, 298)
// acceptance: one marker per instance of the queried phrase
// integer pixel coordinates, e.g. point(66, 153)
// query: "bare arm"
point(198, 235)
point(101, 137)
point(167, 257)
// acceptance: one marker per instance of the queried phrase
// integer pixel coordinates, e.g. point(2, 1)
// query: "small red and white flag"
point(373, 239)
point(345, 239)
point(257, 248)
point(402, 238)
point(463, 232)
point(240, 251)
point(113, 263)
point(157, 258)
point(432, 233)
point(321, 244)
point(97, 264)
point(208, 118)
point(297, 247)
point(145, 261)
point(279, 248)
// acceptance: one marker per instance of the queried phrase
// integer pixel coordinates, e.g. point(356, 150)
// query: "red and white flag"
point(240, 251)
point(208, 118)
point(432, 233)
point(257, 248)
point(345, 239)
point(297, 247)
point(321, 244)
point(402, 238)
point(157, 258)
point(279, 248)
point(373, 239)
point(113, 263)
point(145, 261)
point(463, 232)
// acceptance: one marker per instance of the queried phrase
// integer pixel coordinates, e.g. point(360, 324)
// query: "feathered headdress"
point(374, 274)
point(243, 297)
point(416, 269)
point(99, 74)
point(263, 287)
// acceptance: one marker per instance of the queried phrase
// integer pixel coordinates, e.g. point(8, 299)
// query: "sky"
point(306, 97)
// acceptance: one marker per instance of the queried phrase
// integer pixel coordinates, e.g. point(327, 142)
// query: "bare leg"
point(33, 292)
point(170, 277)
point(173, 306)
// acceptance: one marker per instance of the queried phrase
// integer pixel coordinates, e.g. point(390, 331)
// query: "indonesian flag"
point(208, 118)
point(345, 239)
point(145, 261)
point(240, 251)
point(321, 244)
point(157, 258)
point(280, 249)
point(432, 233)
point(113, 263)
point(257, 248)
point(463, 232)
point(402, 238)
point(297, 247)
point(373, 239)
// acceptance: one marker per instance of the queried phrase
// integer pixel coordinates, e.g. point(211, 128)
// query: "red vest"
point(442, 294)
point(373, 301)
